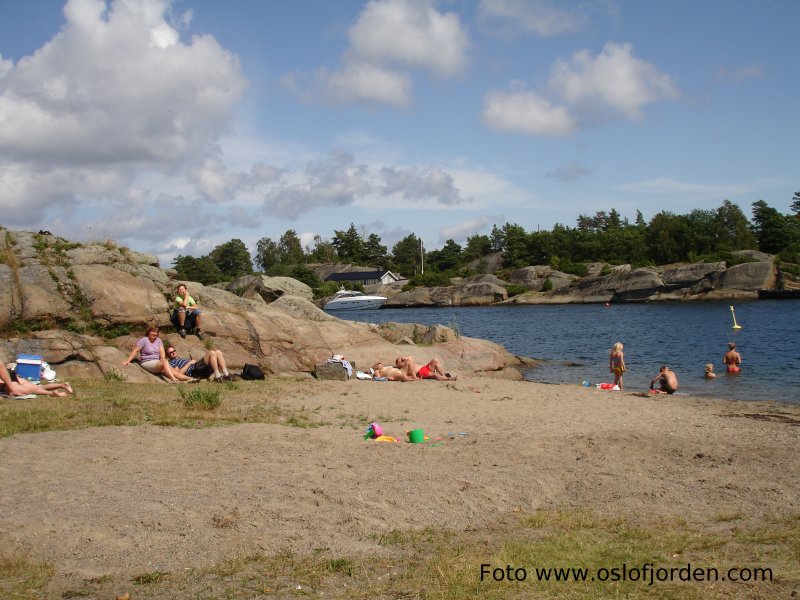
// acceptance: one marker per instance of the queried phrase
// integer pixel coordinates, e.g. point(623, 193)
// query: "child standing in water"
point(710, 371)
point(616, 363)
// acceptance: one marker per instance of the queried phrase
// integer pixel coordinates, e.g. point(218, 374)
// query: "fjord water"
point(575, 340)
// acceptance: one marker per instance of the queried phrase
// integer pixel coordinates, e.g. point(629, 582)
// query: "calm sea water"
point(685, 336)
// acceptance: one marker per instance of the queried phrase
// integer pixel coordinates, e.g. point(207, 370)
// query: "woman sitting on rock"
point(151, 355)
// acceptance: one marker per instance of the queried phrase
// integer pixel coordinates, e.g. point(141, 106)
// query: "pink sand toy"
point(374, 431)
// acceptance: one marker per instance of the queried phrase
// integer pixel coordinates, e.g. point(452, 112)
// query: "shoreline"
point(134, 499)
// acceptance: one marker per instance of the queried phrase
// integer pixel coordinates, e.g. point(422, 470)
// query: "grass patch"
point(149, 578)
point(101, 403)
point(202, 397)
point(21, 577)
point(113, 375)
point(443, 564)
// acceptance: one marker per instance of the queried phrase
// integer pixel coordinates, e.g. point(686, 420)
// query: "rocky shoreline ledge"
point(83, 306)
point(604, 283)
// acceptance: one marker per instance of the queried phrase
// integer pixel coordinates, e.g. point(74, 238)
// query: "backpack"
point(252, 372)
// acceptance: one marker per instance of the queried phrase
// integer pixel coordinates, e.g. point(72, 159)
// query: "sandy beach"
point(126, 500)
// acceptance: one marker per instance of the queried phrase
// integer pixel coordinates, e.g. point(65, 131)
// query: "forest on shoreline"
point(699, 236)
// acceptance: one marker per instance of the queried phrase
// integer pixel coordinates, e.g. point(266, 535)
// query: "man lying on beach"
point(23, 387)
point(667, 381)
point(432, 370)
point(212, 366)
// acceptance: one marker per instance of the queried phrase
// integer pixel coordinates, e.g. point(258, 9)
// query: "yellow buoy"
point(735, 324)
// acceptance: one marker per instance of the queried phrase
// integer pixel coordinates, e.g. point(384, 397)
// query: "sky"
point(171, 127)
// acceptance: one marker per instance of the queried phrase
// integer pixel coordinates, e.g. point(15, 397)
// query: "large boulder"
point(468, 294)
point(748, 276)
point(534, 277)
point(115, 296)
point(269, 288)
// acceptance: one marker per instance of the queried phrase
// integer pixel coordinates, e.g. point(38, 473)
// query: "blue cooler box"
point(29, 366)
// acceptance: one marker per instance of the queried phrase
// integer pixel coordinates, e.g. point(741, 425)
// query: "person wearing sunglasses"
point(212, 366)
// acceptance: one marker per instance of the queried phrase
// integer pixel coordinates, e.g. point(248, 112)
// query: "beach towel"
point(25, 397)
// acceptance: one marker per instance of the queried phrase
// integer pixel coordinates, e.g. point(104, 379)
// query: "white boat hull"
point(358, 303)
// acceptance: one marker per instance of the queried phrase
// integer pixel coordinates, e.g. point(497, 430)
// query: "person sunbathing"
point(389, 372)
point(23, 387)
point(432, 370)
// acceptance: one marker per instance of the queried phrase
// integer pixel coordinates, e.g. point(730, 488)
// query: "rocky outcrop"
point(696, 281)
point(83, 307)
point(269, 288)
point(465, 294)
point(534, 278)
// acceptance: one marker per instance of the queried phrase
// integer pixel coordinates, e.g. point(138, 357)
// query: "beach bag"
point(252, 372)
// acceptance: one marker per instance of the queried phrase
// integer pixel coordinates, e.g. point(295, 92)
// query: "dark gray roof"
point(356, 276)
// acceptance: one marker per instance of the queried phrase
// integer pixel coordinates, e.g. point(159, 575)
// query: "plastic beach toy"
point(416, 436)
point(373, 431)
point(607, 386)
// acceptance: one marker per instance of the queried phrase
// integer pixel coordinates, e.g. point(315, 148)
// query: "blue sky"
point(172, 127)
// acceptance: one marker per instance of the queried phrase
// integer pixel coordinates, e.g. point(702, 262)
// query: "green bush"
point(788, 257)
point(515, 290)
point(578, 268)
point(203, 398)
point(793, 269)
point(547, 285)
point(305, 275)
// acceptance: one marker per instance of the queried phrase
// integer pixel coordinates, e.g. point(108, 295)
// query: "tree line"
point(700, 235)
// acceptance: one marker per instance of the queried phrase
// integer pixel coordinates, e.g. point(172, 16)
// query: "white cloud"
point(334, 181)
point(540, 17)
point(428, 185)
point(389, 38)
point(461, 231)
point(410, 33)
point(217, 183)
point(572, 171)
point(526, 112)
point(113, 95)
point(365, 82)
point(581, 91)
point(615, 79)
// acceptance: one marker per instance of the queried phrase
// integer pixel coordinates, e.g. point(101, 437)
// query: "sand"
point(129, 500)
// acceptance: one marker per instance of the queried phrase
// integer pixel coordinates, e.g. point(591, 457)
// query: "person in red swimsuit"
point(432, 370)
point(732, 358)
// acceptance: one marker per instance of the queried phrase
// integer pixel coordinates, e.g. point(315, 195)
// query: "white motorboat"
point(353, 300)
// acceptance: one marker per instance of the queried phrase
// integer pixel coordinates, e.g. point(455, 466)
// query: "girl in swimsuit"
point(732, 358)
point(616, 363)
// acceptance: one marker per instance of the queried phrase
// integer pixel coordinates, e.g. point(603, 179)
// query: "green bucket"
point(416, 436)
